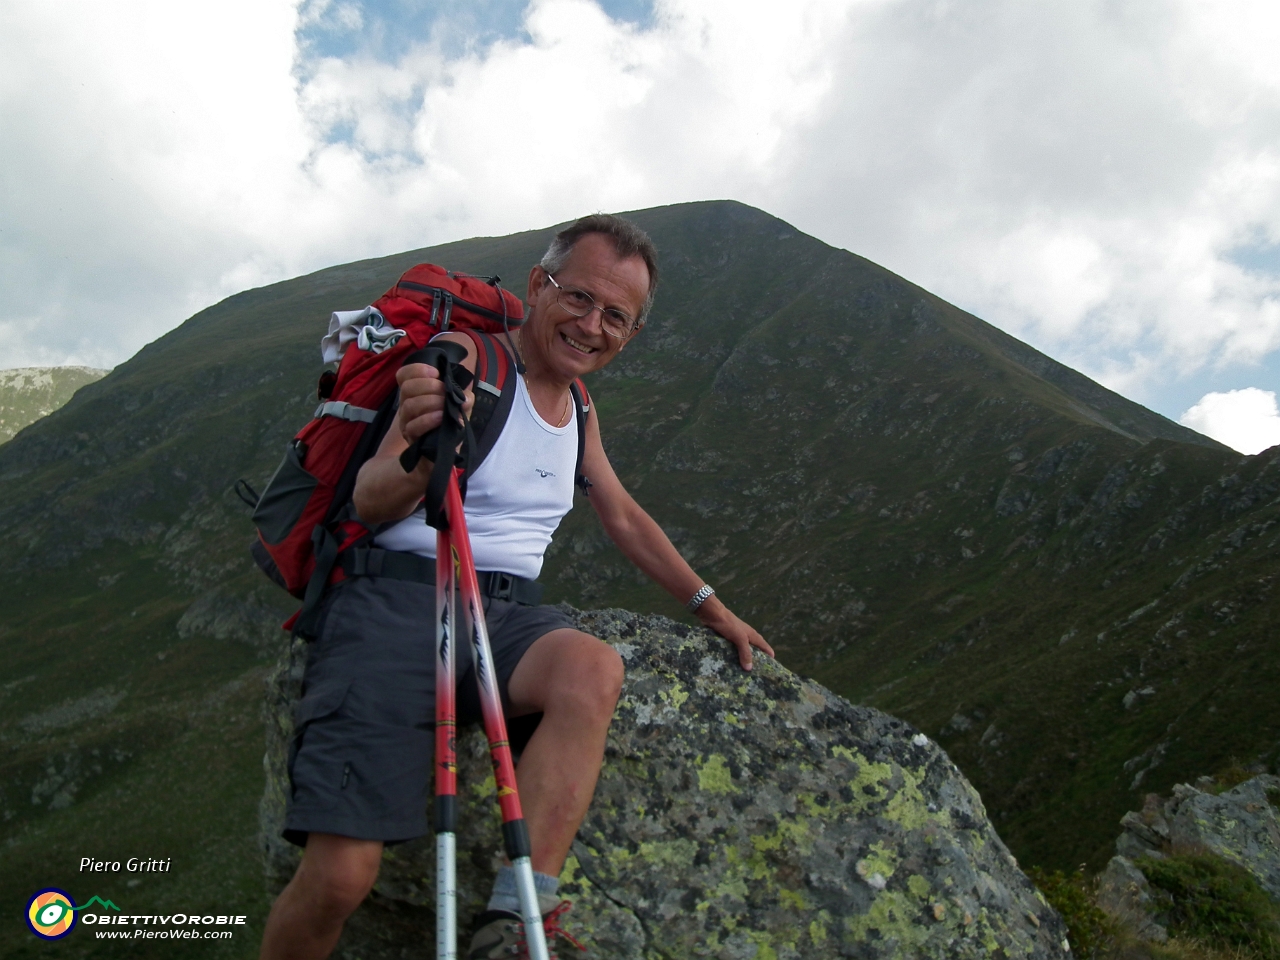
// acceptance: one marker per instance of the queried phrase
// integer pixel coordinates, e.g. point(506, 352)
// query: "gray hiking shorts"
point(364, 729)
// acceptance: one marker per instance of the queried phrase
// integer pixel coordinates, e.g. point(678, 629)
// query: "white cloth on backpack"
point(368, 327)
point(516, 498)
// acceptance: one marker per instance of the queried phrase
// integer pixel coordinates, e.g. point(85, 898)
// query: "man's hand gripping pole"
point(451, 443)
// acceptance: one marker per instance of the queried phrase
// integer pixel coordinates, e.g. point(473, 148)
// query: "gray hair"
point(628, 240)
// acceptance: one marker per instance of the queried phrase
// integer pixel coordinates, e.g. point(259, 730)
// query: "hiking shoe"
point(500, 934)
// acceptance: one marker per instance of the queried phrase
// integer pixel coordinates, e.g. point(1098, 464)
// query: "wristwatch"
point(700, 597)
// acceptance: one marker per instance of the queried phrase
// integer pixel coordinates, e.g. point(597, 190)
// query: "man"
point(361, 765)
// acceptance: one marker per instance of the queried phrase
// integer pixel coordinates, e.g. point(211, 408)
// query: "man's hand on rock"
point(742, 635)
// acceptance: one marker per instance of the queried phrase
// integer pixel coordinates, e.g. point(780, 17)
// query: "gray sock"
point(506, 896)
point(546, 885)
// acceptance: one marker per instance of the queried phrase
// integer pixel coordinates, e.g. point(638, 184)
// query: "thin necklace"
point(514, 337)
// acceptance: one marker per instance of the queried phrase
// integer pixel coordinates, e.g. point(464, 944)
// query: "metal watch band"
point(700, 597)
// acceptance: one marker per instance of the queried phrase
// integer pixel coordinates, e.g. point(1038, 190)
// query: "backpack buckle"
point(501, 585)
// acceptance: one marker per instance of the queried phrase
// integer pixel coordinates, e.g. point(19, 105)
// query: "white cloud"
point(139, 141)
point(1076, 173)
point(1246, 420)
point(1081, 174)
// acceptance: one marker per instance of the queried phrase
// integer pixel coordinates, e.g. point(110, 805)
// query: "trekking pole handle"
point(446, 357)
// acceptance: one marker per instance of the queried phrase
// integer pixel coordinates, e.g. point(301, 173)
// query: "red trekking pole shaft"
point(446, 813)
point(515, 835)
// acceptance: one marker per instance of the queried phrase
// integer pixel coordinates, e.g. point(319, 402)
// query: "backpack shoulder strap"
point(495, 391)
point(581, 407)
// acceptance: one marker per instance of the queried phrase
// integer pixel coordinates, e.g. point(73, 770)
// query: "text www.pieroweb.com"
point(178, 926)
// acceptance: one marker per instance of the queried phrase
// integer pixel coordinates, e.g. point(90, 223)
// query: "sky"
point(1100, 178)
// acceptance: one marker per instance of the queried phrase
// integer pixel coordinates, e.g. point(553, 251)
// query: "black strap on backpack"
point(453, 434)
point(494, 393)
point(581, 407)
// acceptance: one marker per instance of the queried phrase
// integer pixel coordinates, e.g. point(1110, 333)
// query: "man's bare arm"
point(646, 545)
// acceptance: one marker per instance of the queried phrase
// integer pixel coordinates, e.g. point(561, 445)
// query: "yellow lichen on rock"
point(714, 776)
point(747, 816)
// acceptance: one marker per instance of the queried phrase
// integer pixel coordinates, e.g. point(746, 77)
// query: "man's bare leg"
point(333, 879)
point(574, 680)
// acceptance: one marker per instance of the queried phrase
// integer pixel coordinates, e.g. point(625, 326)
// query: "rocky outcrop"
point(1123, 892)
point(1144, 832)
point(253, 618)
point(1241, 825)
point(737, 816)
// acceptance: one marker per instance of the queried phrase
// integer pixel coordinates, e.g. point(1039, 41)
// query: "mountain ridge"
point(876, 479)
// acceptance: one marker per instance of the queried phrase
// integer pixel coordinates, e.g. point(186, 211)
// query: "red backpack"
point(304, 517)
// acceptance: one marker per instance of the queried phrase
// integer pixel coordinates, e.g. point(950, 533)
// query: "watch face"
point(51, 914)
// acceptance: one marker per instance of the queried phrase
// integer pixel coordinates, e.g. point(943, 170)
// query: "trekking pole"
point(446, 813)
point(454, 561)
point(515, 835)
point(453, 429)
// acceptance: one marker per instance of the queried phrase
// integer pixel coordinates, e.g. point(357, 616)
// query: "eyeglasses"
point(580, 304)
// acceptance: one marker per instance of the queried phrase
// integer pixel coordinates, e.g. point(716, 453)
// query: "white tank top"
point(515, 499)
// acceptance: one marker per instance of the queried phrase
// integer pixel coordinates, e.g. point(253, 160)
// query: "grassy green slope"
point(122, 738)
point(914, 507)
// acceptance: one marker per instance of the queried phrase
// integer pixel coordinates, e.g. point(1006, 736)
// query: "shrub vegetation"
point(1215, 901)
point(1091, 932)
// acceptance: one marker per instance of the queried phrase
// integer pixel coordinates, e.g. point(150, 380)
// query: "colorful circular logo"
point(51, 914)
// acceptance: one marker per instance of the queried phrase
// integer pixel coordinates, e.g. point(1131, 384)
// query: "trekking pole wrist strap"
point(451, 443)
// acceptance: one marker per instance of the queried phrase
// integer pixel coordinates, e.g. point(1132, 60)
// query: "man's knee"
point(611, 672)
point(593, 681)
point(337, 873)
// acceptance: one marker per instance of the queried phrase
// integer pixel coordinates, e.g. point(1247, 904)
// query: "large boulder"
point(737, 816)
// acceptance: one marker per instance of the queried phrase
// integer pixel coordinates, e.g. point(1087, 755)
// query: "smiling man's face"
point(570, 346)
